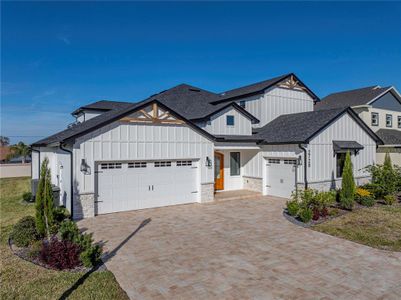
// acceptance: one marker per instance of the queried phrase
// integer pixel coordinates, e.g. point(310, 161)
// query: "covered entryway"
point(281, 176)
point(123, 186)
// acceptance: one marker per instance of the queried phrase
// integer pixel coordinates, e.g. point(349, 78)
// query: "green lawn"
point(24, 280)
point(378, 227)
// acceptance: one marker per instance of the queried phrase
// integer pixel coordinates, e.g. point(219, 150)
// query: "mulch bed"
point(24, 253)
point(341, 212)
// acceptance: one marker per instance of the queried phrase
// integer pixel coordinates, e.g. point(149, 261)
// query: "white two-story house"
point(185, 144)
point(380, 108)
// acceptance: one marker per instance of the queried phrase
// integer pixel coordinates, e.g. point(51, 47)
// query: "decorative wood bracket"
point(154, 116)
point(291, 83)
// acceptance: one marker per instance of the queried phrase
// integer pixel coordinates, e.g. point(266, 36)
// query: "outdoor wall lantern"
point(208, 162)
point(84, 167)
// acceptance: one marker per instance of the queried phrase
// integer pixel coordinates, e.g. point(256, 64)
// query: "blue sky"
point(58, 56)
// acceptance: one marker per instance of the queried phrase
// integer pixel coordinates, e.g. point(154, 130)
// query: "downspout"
point(61, 146)
point(305, 165)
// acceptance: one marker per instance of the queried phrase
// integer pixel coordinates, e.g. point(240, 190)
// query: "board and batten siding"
point(277, 101)
point(322, 158)
point(255, 161)
point(218, 123)
point(121, 141)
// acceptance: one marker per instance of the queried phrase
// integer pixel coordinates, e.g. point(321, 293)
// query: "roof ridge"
point(259, 82)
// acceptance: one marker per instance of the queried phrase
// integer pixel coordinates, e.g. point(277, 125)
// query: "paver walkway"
point(241, 249)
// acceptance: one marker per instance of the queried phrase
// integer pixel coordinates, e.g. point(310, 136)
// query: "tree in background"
point(44, 201)
point(18, 150)
point(348, 189)
point(4, 141)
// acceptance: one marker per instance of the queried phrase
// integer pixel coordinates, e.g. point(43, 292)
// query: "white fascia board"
point(236, 147)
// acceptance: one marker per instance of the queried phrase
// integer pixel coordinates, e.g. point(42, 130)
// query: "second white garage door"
point(125, 186)
point(280, 177)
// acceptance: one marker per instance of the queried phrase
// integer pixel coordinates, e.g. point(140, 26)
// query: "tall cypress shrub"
point(44, 201)
point(348, 189)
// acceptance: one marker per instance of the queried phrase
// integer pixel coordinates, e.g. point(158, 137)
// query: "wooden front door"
point(218, 171)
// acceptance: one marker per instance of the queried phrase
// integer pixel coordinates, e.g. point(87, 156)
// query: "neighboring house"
point(380, 109)
point(184, 144)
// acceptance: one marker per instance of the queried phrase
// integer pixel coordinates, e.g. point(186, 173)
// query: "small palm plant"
point(20, 150)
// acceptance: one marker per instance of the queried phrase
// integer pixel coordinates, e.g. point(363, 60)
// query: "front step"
point(235, 195)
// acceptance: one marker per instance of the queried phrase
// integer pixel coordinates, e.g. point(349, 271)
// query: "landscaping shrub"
point(68, 230)
point(386, 179)
point(44, 201)
point(24, 232)
point(347, 192)
point(324, 212)
point(364, 197)
point(316, 214)
point(305, 214)
point(27, 196)
point(60, 254)
point(334, 212)
point(389, 199)
point(60, 214)
point(35, 248)
point(91, 256)
point(292, 207)
point(90, 253)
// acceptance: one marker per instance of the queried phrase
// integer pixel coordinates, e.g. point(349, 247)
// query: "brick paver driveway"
point(239, 250)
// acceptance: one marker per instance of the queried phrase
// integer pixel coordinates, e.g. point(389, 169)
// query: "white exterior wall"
point(128, 141)
point(277, 101)
point(256, 163)
point(88, 114)
point(218, 125)
point(59, 165)
point(322, 161)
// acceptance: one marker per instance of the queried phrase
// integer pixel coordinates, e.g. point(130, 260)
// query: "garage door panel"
point(150, 184)
point(281, 177)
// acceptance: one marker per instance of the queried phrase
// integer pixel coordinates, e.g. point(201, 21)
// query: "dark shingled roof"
point(390, 136)
point(77, 129)
point(297, 128)
point(256, 88)
point(185, 100)
point(350, 98)
point(102, 105)
point(252, 88)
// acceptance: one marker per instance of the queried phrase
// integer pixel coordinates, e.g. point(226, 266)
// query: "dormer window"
point(375, 119)
point(389, 121)
point(230, 120)
point(242, 104)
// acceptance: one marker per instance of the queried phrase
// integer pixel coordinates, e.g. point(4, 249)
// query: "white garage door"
point(281, 177)
point(125, 186)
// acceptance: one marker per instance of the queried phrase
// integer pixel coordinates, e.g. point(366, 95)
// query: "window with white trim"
point(182, 163)
point(235, 163)
point(375, 119)
point(274, 161)
point(159, 164)
point(389, 120)
point(290, 161)
point(230, 120)
point(110, 166)
point(137, 164)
